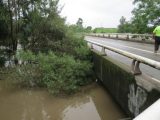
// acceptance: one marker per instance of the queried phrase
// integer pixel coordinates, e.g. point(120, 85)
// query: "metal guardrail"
point(148, 38)
point(136, 58)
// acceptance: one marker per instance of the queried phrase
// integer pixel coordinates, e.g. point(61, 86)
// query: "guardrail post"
point(143, 38)
point(91, 46)
point(135, 67)
point(137, 70)
point(116, 35)
point(132, 66)
point(127, 37)
point(109, 36)
point(103, 51)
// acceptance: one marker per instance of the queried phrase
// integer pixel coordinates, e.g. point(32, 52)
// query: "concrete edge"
point(143, 80)
point(129, 40)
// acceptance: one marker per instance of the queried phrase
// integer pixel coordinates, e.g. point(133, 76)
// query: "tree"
point(145, 16)
point(41, 25)
point(79, 23)
point(146, 12)
point(4, 20)
point(125, 26)
point(122, 20)
point(8, 21)
point(78, 27)
point(88, 29)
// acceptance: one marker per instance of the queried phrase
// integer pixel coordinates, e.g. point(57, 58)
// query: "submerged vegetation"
point(63, 70)
point(58, 73)
point(51, 54)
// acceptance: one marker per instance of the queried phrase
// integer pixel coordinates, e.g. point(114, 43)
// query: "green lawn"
point(105, 30)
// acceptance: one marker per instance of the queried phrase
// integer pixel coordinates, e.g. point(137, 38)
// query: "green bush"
point(59, 74)
point(76, 47)
point(61, 71)
point(25, 56)
point(27, 75)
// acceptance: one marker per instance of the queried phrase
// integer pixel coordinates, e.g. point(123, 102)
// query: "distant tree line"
point(145, 16)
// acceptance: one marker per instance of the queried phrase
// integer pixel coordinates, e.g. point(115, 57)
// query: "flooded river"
point(92, 103)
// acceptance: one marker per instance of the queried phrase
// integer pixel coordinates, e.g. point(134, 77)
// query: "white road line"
point(140, 49)
point(135, 48)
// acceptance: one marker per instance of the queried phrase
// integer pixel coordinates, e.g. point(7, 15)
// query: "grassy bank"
point(105, 30)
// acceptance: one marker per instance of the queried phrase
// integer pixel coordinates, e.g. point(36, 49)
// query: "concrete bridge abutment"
point(134, 93)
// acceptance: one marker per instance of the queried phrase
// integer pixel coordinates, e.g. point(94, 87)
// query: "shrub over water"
point(63, 71)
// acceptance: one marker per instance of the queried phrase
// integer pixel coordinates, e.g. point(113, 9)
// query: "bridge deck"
point(142, 49)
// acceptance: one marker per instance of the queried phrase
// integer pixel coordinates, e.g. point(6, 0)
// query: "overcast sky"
point(96, 13)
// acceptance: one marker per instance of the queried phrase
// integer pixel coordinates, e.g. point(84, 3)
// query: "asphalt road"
point(142, 49)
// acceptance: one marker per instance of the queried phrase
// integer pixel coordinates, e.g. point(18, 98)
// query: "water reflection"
point(85, 111)
point(90, 104)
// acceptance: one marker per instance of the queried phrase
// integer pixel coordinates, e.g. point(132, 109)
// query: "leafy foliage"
point(33, 23)
point(60, 74)
point(124, 27)
point(145, 16)
point(52, 56)
point(42, 25)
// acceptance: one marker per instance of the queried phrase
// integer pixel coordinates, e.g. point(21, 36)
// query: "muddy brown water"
point(92, 103)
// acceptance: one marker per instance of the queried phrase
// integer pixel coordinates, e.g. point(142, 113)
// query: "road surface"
point(142, 49)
